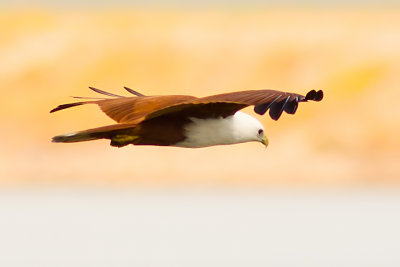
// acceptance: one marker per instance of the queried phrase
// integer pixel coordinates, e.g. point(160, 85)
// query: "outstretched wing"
point(139, 108)
point(227, 104)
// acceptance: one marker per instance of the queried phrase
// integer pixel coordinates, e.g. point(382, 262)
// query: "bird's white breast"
point(238, 128)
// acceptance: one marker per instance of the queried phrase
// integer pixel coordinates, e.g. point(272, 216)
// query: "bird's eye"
point(260, 132)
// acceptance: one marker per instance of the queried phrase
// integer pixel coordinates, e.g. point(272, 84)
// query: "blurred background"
point(325, 191)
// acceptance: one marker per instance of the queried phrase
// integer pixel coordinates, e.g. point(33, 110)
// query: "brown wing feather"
point(103, 92)
point(135, 109)
point(133, 92)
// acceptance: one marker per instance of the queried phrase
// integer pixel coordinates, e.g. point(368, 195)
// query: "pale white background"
point(186, 227)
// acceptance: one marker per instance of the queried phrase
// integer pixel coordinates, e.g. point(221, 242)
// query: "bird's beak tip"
point(264, 141)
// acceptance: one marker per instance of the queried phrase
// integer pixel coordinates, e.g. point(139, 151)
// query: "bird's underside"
point(163, 120)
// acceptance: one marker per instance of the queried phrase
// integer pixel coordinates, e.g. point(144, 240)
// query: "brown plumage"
point(161, 120)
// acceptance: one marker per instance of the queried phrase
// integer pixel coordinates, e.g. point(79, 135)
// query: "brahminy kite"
point(185, 121)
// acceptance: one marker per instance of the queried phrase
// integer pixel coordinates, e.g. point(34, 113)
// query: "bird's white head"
point(247, 128)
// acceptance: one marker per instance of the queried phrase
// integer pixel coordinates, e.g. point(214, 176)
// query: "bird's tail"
point(106, 132)
point(74, 137)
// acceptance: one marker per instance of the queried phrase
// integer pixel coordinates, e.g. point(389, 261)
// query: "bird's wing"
point(139, 108)
point(227, 104)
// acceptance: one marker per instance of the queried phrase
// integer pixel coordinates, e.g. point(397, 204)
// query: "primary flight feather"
point(186, 121)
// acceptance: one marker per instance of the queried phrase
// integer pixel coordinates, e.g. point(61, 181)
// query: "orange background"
point(351, 138)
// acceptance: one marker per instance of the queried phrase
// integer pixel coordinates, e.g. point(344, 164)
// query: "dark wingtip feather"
point(291, 106)
point(64, 106)
point(260, 109)
point(310, 95)
point(136, 93)
point(320, 95)
point(277, 108)
point(315, 95)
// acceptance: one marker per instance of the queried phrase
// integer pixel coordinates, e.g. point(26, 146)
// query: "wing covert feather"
point(139, 108)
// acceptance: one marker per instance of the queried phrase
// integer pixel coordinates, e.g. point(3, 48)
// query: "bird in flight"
point(185, 121)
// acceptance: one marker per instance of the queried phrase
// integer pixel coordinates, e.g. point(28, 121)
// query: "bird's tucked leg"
point(121, 140)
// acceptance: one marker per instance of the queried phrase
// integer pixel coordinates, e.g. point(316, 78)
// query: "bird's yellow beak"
point(264, 141)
